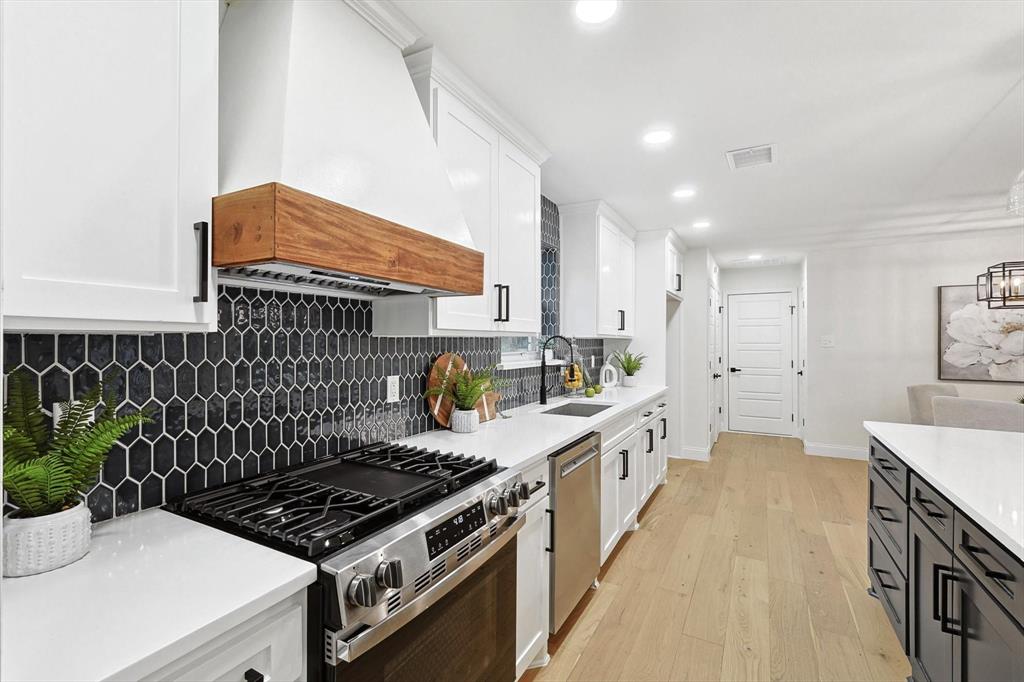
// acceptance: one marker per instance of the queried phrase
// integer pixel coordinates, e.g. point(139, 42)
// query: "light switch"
point(828, 341)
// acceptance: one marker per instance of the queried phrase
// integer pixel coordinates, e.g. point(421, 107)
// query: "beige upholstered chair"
point(972, 413)
point(920, 397)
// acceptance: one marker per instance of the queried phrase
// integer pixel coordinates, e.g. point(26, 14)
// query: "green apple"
point(590, 393)
point(598, 388)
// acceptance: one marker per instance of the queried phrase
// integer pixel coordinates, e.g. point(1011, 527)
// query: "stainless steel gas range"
point(416, 555)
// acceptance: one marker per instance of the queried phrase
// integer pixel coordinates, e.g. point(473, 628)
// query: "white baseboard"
point(841, 451)
point(699, 454)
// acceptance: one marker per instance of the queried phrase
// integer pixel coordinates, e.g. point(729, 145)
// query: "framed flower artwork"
point(976, 343)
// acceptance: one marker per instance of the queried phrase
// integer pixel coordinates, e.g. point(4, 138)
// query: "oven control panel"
point(447, 534)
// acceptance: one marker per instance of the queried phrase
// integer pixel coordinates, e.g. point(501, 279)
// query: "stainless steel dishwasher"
point(575, 539)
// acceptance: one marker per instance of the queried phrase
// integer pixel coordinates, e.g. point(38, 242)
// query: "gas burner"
point(332, 502)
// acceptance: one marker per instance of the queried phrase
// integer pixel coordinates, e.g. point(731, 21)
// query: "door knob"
point(716, 375)
point(735, 369)
point(800, 373)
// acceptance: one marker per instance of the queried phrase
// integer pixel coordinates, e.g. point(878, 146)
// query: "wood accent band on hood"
point(277, 223)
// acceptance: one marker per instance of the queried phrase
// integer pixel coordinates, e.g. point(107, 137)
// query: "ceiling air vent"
point(751, 156)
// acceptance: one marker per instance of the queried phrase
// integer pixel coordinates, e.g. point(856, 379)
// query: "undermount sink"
point(577, 409)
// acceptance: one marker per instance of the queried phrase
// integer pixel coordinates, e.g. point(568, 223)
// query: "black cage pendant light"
point(1002, 285)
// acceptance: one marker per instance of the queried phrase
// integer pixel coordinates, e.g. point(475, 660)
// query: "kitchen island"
point(946, 547)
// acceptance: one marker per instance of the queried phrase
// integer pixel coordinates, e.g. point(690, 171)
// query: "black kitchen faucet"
point(544, 366)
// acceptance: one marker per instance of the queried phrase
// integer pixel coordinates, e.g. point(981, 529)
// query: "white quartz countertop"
point(981, 472)
point(153, 587)
point(528, 436)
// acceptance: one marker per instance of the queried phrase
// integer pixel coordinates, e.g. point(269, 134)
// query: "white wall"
point(759, 279)
point(881, 305)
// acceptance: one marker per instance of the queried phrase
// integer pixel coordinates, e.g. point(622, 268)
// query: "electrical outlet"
point(393, 389)
point(828, 341)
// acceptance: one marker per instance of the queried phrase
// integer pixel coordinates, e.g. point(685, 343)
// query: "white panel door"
point(613, 467)
point(531, 585)
point(519, 240)
point(469, 147)
point(631, 485)
point(609, 320)
point(760, 363)
point(109, 136)
point(626, 283)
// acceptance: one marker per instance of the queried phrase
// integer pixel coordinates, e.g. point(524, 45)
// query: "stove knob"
point(524, 491)
point(389, 574)
point(498, 505)
point(512, 497)
point(362, 591)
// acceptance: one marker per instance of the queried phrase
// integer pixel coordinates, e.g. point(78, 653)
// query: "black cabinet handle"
point(500, 317)
point(625, 465)
point(540, 484)
point(884, 464)
point(937, 570)
point(508, 302)
point(551, 531)
point(879, 510)
point(927, 505)
point(679, 282)
point(946, 622)
point(622, 320)
point(998, 576)
point(735, 369)
point(650, 440)
point(664, 428)
point(878, 574)
point(253, 675)
point(203, 228)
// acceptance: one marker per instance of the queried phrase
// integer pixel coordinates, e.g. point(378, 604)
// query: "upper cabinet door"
point(470, 149)
point(626, 282)
point(519, 240)
point(610, 315)
point(673, 271)
point(109, 159)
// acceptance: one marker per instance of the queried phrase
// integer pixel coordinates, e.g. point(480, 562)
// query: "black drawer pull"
point(999, 577)
point(946, 622)
point(878, 574)
point(551, 532)
point(884, 464)
point(203, 230)
point(880, 509)
point(625, 465)
point(253, 675)
point(540, 484)
point(927, 505)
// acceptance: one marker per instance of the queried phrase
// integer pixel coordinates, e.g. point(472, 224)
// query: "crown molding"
point(600, 207)
point(431, 63)
point(389, 20)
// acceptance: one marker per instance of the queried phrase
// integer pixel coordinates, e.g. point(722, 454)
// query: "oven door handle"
point(352, 649)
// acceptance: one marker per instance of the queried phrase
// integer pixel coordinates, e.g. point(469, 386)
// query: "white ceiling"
point(889, 119)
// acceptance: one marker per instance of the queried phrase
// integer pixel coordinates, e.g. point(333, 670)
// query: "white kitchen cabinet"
point(109, 139)
point(599, 279)
point(532, 584)
point(673, 270)
point(271, 644)
point(629, 485)
point(494, 168)
point(613, 468)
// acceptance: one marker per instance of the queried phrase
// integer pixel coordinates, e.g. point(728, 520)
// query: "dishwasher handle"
point(577, 461)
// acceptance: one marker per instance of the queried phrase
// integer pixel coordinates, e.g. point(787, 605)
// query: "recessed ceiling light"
point(596, 11)
point(702, 224)
point(684, 193)
point(755, 256)
point(660, 136)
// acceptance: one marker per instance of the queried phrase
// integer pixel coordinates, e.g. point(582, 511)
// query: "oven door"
point(468, 634)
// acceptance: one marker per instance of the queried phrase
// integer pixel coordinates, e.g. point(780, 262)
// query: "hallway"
point(749, 567)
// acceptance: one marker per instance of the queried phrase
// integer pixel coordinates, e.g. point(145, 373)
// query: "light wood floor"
point(749, 567)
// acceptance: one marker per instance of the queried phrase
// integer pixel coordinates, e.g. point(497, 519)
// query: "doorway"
point(760, 376)
point(715, 370)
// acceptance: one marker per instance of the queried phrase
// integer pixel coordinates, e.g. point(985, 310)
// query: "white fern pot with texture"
point(465, 421)
point(36, 544)
point(629, 380)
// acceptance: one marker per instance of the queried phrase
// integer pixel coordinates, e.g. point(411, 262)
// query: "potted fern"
point(48, 471)
point(631, 364)
point(465, 390)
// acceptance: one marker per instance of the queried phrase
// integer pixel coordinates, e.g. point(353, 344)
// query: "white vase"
point(36, 544)
point(465, 421)
point(629, 380)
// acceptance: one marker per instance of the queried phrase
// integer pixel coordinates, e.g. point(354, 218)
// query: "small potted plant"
point(47, 472)
point(465, 390)
point(630, 364)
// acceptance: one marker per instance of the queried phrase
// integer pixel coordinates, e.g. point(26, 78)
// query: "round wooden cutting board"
point(440, 406)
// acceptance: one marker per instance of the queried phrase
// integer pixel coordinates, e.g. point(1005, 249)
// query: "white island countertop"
point(528, 435)
point(980, 472)
point(152, 588)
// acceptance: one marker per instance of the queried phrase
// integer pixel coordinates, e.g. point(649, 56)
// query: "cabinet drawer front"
point(648, 411)
point(890, 587)
point(617, 430)
point(933, 508)
point(889, 466)
point(536, 477)
point(887, 513)
point(998, 571)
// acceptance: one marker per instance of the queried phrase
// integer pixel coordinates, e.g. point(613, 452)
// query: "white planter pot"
point(42, 543)
point(465, 421)
point(629, 381)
